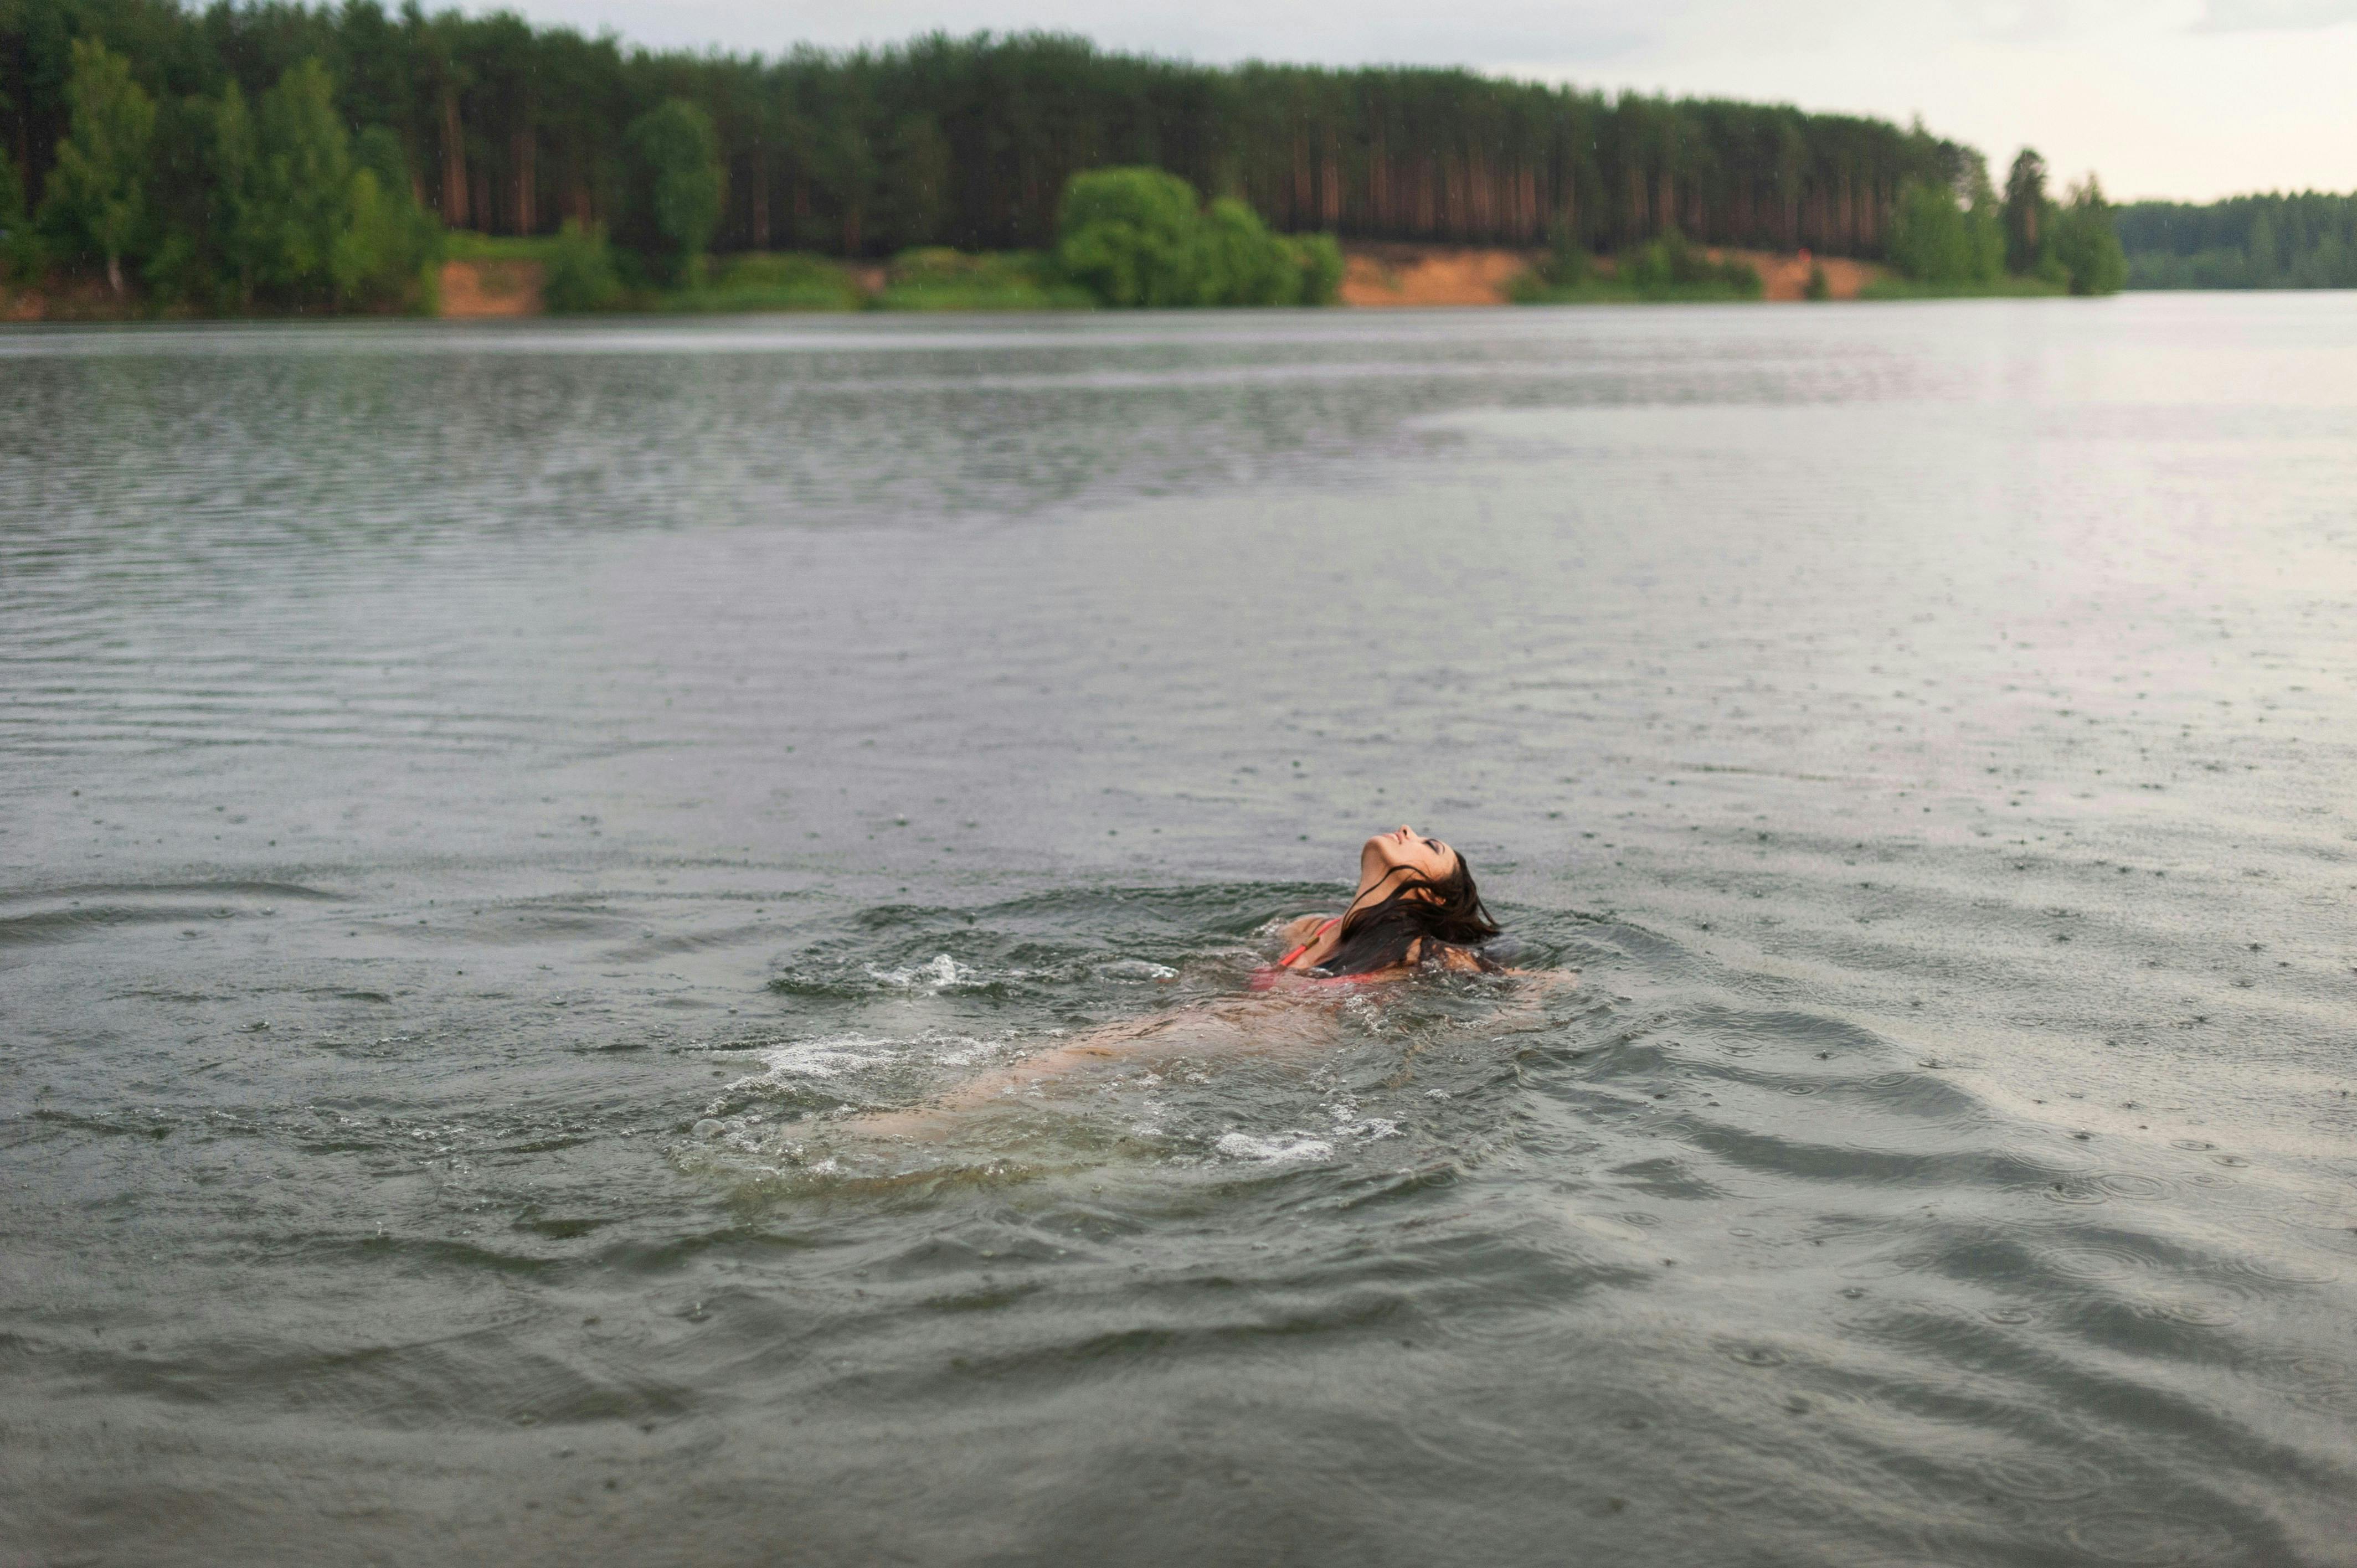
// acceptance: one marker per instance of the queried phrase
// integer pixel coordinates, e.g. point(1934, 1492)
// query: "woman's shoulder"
point(1302, 927)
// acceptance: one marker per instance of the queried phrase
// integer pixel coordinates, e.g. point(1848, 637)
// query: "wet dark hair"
point(1418, 915)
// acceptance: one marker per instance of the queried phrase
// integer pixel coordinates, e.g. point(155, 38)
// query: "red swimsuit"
point(1263, 979)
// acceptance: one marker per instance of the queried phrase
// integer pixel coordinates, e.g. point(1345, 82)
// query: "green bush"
point(1666, 268)
point(938, 278)
point(1670, 266)
point(579, 275)
point(2086, 247)
point(387, 241)
point(771, 280)
point(1238, 262)
point(1318, 258)
point(1137, 237)
point(1130, 237)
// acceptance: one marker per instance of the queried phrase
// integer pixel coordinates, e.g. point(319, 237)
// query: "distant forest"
point(2308, 240)
point(496, 125)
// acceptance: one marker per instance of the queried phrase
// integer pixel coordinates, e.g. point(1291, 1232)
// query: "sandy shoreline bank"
point(1380, 274)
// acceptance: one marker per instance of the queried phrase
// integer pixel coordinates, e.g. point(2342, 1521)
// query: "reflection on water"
point(487, 811)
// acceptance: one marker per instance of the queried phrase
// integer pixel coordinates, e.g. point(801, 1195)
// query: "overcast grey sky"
point(2192, 98)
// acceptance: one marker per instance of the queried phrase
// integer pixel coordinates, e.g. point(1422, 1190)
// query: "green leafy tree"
point(678, 157)
point(2085, 243)
point(1319, 260)
point(1130, 236)
point(1240, 263)
point(1935, 239)
point(387, 239)
point(306, 181)
point(98, 190)
point(2027, 213)
point(580, 272)
point(239, 223)
point(302, 213)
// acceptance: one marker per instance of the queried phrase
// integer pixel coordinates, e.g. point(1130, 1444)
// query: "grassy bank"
point(1667, 271)
point(1611, 291)
point(585, 277)
point(1993, 288)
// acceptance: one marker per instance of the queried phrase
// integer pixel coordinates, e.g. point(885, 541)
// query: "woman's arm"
point(1236, 1027)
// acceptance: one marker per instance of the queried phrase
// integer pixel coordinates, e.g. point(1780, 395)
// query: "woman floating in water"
point(1416, 906)
point(1416, 911)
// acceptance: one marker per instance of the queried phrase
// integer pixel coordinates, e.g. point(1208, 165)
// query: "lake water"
point(479, 806)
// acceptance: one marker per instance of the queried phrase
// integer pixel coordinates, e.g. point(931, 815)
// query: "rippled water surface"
point(482, 811)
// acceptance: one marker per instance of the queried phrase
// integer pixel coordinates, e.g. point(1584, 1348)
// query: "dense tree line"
point(1966, 237)
point(490, 123)
point(2308, 240)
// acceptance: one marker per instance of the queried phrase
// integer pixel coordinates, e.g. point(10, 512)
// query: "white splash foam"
point(940, 974)
point(821, 1058)
point(961, 1050)
point(1281, 1149)
point(1136, 969)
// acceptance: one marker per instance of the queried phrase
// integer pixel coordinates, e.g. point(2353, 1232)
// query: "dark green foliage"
point(676, 154)
point(2085, 246)
point(772, 281)
point(302, 215)
point(2027, 208)
point(1137, 237)
point(1668, 268)
point(2305, 241)
point(511, 128)
point(936, 278)
point(1819, 286)
point(1672, 267)
point(2005, 287)
point(578, 274)
point(1568, 263)
point(20, 252)
point(1319, 259)
point(297, 185)
point(388, 241)
point(97, 199)
point(1132, 237)
point(1241, 262)
point(1935, 240)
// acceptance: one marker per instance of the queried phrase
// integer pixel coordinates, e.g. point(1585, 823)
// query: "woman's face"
point(1401, 848)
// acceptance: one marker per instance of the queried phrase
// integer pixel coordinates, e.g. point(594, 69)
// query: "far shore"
point(1379, 275)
